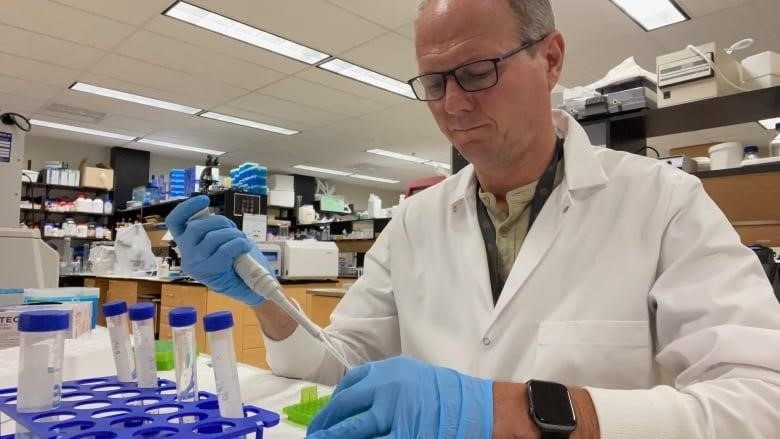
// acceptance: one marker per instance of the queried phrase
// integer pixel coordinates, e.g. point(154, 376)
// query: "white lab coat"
point(630, 282)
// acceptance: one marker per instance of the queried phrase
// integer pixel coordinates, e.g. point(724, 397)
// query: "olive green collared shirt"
point(512, 226)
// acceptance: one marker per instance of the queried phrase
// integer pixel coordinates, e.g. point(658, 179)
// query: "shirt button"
point(486, 341)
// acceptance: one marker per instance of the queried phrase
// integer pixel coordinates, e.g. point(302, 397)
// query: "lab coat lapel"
point(469, 242)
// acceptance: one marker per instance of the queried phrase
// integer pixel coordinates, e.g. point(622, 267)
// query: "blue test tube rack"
point(104, 408)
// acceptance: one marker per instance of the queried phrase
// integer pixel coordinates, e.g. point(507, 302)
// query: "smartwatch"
point(551, 409)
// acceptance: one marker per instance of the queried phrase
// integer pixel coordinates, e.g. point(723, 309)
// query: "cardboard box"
point(80, 320)
point(97, 177)
point(281, 183)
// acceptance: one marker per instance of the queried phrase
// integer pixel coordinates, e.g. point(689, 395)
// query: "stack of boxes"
point(282, 191)
point(177, 188)
point(251, 178)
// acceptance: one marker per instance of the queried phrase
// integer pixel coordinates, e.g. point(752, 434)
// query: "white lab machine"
point(310, 260)
point(685, 76)
point(26, 261)
point(273, 254)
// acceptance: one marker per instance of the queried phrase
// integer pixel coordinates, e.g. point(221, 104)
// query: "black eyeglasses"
point(474, 76)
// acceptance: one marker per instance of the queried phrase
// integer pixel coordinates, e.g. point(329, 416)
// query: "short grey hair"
point(535, 18)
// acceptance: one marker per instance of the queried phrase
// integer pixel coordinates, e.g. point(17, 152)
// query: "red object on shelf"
point(418, 185)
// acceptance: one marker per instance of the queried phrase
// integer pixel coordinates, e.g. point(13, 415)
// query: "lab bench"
point(317, 299)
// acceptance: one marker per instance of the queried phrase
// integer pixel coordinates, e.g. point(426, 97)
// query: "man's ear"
point(553, 51)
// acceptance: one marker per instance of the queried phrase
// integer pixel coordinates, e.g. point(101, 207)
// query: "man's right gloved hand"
point(209, 247)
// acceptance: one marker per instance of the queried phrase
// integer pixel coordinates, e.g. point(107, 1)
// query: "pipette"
point(262, 282)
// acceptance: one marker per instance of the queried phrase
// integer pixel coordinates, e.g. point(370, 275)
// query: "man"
point(545, 259)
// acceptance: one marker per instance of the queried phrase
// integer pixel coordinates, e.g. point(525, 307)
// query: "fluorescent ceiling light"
point(370, 178)
point(181, 147)
point(358, 73)
point(652, 14)
point(242, 32)
point(60, 126)
point(322, 170)
point(248, 123)
point(408, 158)
point(770, 123)
point(116, 94)
point(397, 155)
point(438, 164)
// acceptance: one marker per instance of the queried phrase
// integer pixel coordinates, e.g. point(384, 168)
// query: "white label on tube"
point(145, 362)
point(36, 381)
point(223, 359)
point(123, 355)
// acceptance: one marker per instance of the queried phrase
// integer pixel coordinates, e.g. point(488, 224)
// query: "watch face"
point(551, 404)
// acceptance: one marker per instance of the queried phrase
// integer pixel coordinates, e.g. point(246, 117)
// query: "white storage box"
point(281, 183)
point(80, 320)
point(761, 70)
point(281, 198)
point(726, 155)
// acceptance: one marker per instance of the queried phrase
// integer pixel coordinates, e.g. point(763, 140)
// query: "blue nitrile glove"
point(209, 246)
point(405, 398)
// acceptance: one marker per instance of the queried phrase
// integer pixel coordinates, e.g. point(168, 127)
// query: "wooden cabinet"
point(102, 285)
point(177, 295)
point(319, 308)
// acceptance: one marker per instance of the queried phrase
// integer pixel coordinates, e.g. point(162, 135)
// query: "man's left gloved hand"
point(406, 398)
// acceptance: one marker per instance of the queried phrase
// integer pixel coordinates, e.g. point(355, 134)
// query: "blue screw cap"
point(182, 316)
point(115, 308)
point(44, 320)
point(218, 321)
point(142, 311)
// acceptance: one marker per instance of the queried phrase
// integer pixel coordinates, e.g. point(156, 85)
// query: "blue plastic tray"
point(104, 408)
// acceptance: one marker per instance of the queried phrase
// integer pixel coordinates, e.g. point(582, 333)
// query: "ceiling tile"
point(36, 71)
point(174, 54)
point(23, 105)
point(373, 55)
point(351, 86)
point(319, 96)
point(143, 126)
point(94, 126)
point(188, 33)
point(314, 23)
point(66, 23)
point(388, 13)
point(23, 87)
point(406, 30)
point(81, 138)
point(262, 104)
point(48, 49)
point(199, 139)
point(127, 11)
point(154, 76)
point(402, 123)
point(700, 8)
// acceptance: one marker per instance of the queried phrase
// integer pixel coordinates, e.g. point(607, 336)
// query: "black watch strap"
point(552, 435)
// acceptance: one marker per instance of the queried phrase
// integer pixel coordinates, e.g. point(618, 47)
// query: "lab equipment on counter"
point(272, 254)
point(182, 321)
point(142, 318)
point(35, 264)
point(311, 404)
point(762, 70)
point(219, 330)
point(684, 76)
point(119, 333)
point(42, 346)
point(137, 420)
point(726, 155)
point(309, 260)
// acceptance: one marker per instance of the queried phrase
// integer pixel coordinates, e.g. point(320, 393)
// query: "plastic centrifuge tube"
point(41, 349)
point(219, 330)
point(142, 317)
point(182, 321)
point(121, 347)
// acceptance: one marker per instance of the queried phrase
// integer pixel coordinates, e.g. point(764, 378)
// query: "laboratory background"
point(295, 119)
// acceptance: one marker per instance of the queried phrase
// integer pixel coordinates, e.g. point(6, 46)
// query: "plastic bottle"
point(142, 318)
point(219, 330)
point(41, 350)
point(97, 206)
point(119, 332)
point(774, 145)
point(108, 207)
point(182, 321)
point(751, 152)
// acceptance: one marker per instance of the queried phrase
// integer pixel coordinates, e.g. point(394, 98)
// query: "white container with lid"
point(82, 231)
point(774, 145)
point(97, 206)
point(108, 207)
point(726, 155)
point(83, 204)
